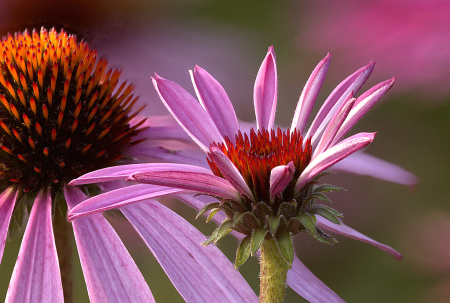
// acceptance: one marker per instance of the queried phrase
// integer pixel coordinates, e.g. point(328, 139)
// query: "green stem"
point(63, 238)
point(273, 273)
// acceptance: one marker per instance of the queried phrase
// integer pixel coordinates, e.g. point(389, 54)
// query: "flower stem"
point(273, 273)
point(63, 238)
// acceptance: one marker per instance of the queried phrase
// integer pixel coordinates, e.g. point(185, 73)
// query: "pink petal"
point(333, 155)
point(188, 112)
point(353, 234)
point(362, 106)
point(309, 94)
point(351, 84)
point(122, 172)
point(197, 182)
point(166, 132)
point(265, 92)
point(118, 198)
point(8, 200)
point(280, 176)
point(363, 164)
point(36, 276)
point(200, 274)
point(307, 285)
point(333, 127)
point(230, 172)
point(109, 270)
point(161, 154)
point(215, 100)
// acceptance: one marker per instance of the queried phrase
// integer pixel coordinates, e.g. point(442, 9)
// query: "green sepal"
point(308, 222)
point(258, 236)
point(212, 213)
point(274, 221)
point(329, 209)
point(326, 214)
point(322, 174)
point(320, 196)
point(212, 237)
point(237, 218)
point(325, 238)
point(224, 229)
point(207, 208)
point(286, 247)
point(243, 251)
point(326, 188)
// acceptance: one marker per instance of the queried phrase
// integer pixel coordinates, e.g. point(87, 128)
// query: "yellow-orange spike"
point(98, 75)
point(105, 102)
point(112, 87)
point(62, 164)
point(14, 111)
point(119, 137)
point(23, 81)
point(66, 65)
point(98, 155)
point(21, 97)
point(13, 71)
point(34, 61)
point(128, 90)
point(93, 99)
point(107, 77)
point(103, 89)
point(33, 105)
point(38, 128)
point(54, 133)
point(68, 143)
point(26, 120)
point(78, 95)
point(90, 129)
point(5, 128)
point(74, 125)
point(11, 90)
point(30, 70)
point(49, 96)
point(88, 74)
point(16, 134)
point(45, 151)
point(2, 80)
point(105, 117)
point(66, 88)
point(79, 70)
point(60, 118)
point(55, 69)
point(77, 110)
point(38, 170)
point(73, 57)
point(22, 158)
point(5, 103)
point(31, 142)
point(80, 81)
point(118, 101)
point(119, 90)
point(117, 118)
point(36, 91)
point(22, 64)
point(7, 150)
point(53, 83)
point(44, 65)
point(45, 111)
point(40, 78)
point(69, 75)
point(103, 133)
point(63, 103)
point(86, 148)
point(90, 86)
point(92, 114)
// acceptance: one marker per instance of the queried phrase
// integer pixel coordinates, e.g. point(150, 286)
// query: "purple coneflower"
point(266, 182)
point(63, 114)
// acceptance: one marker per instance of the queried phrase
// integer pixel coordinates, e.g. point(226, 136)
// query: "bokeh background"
point(408, 39)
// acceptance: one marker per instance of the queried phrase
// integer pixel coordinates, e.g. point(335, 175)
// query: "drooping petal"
point(122, 172)
point(118, 198)
point(36, 276)
point(280, 176)
point(197, 182)
point(333, 155)
point(215, 100)
point(161, 154)
point(8, 200)
point(364, 164)
point(307, 285)
point(362, 105)
point(333, 127)
point(200, 274)
point(353, 234)
point(265, 91)
point(351, 84)
point(309, 94)
point(230, 172)
point(109, 270)
point(188, 112)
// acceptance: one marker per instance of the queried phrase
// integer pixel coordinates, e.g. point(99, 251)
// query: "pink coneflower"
point(63, 114)
point(267, 181)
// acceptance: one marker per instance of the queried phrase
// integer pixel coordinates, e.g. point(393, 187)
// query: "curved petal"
point(363, 164)
point(197, 182)
point(230, 172)
point(351, 84)
point(215, 101)
point(36, 277)
point(200, 274)
point(280, 176)
point(118, 198)
point(353, 234)
point(307, 285)
point(8, 200)
point(123, 172)
point(265, 92)
point(333, 155)
point(164, 132)
point(159, 153)
point(188, 112)
point(362, 106)
point(309, 94)
point(109, 270)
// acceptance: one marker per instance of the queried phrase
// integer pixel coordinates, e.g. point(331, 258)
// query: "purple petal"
point(122, 172)
point(351, 84)
point(353, 234)
point(188, 112)
point(165, 132)
point(362, 106)
point(307, 285)
point(364, 164)
point(265, 92)
point(280, 176)
point(197, 182)
point(161, 154)
point(118, 198)
point(309, 94)
point(8, 200)
point(333, 127)
point(215, 100)
point(200, 274)
point(333, 155)
point(36, 276)
point(230, 172)
point(103, 256)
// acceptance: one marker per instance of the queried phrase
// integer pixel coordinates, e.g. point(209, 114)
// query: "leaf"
point(308, 222)
point(286, 247)
point(207, 208)
point(243, 251)
point(258, 236)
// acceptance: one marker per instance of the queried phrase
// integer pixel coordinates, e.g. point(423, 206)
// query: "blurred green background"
point(229, 39)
